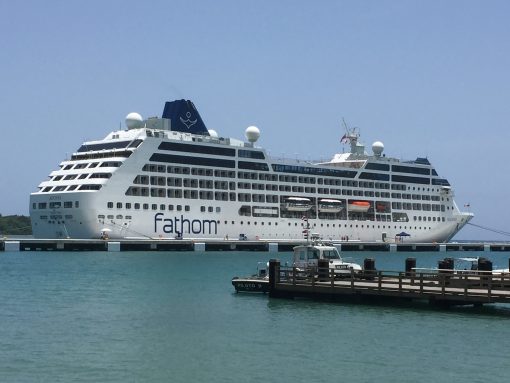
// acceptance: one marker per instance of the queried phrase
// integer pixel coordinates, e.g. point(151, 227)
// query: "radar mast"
point(351, 136)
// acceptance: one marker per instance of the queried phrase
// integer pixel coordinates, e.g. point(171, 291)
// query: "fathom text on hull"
point(170, 177)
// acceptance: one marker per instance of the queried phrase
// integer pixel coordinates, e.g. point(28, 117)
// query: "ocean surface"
point(175, 317)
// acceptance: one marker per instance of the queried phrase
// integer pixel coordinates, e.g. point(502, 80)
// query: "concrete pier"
point(208, 244)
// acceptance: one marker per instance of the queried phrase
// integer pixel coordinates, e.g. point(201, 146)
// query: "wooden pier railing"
point(446, 287)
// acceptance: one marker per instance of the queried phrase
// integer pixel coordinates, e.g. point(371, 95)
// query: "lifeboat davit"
point(359, 206)
point(330, 205)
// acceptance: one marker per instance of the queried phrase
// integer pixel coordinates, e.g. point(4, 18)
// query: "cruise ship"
point(170, 177)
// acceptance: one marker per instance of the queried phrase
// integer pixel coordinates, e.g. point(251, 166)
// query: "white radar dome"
point(377, 148)
point(252, 133)
point(213, 133)
point(134, 121)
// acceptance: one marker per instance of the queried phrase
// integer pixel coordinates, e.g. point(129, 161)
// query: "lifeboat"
point(297, 204)
point(359, 206)
point(330, 205)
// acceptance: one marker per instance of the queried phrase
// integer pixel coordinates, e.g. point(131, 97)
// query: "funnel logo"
point(189, 123)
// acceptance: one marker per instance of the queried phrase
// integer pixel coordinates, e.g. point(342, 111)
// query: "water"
point(174, 317)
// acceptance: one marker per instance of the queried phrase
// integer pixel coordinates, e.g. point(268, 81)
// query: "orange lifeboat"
point(359, 206)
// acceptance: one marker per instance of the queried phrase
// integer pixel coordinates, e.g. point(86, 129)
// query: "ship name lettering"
point(183, 225)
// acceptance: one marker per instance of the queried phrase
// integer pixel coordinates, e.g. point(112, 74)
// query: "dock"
point(215, 244)
point(443, 287)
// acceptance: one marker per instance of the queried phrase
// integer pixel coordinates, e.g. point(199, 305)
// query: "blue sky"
point(427, 78)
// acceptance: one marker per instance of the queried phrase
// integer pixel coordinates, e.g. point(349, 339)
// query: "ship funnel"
point(184, 117)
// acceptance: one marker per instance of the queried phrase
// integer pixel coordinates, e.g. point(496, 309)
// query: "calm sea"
point(174, 317)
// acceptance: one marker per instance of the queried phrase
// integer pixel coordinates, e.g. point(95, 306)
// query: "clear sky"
point(427, 78)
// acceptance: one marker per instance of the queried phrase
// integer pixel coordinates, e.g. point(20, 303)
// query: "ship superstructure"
point(170, 177)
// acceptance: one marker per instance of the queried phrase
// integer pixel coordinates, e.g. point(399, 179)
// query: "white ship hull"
point(194, 224)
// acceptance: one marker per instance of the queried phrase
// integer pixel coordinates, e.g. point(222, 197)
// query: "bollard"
point(485, 266)
point(274, 275)
point(323, 269)
point(410, 266)
point(449, 264)
point(446, 267)
point(369, 268)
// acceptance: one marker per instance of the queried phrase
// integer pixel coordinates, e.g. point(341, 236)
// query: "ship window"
point(179, 207)
point(93, 164)
point(128, 206)
point(202, 161)
point(110, 164)
point(145, 206)
point(67, 167)
point(171, 207)
point(374, 176)
point(42, 205)
point(377, 166)
point(104, 146)
point(72, 187)
point(76, 204)
point(154, 206)
point(414, 180)
point(100, 175)
point(202, 149)
point(218, 209)
point(119, 216)
point(129, 217)
point(110, 216)
point(162, 207)
point(137, 206)
point(251, 154)
point(210, 209)
point(119, 205)
point(408, 169)
point(202, 209)
point(186, 208)
point(82, 176)
point(110, 205)
point(68, 204)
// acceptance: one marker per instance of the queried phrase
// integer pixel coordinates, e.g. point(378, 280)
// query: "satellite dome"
point(134, 121)
point(377, 148)
point(213, 133)
point(252, 133)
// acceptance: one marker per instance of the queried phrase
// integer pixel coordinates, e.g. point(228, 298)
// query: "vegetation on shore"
point(15, 225)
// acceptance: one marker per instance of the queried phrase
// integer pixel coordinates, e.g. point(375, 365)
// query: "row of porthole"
point(339, 226)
